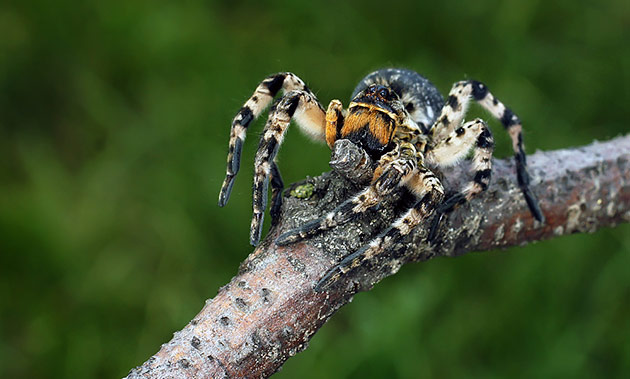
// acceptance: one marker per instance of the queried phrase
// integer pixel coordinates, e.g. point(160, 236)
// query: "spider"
point(401, 120)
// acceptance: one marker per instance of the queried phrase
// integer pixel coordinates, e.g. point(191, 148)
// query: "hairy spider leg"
point(427, 187)
point(253, 107)
point(302, 106)
point(276, 193)
point(394, 168)
point(472, 135)
point(451, 117)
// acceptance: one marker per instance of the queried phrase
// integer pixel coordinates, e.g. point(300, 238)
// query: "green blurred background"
point(114, 121)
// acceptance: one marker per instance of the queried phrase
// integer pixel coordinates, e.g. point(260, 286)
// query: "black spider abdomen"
point(419, 96)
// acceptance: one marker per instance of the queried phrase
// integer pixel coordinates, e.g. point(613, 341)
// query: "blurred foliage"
point(114, 120)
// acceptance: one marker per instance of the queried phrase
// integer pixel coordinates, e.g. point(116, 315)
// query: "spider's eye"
point(383, 92)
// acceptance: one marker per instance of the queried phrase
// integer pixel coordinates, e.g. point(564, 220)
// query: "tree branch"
point(269, 311)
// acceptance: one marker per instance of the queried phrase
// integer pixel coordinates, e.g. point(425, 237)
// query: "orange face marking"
point(381, 126)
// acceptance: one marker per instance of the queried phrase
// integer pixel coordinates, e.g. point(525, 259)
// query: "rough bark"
point(269, 311)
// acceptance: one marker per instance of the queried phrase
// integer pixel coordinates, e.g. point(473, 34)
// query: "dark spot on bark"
point(285, 335)
point(265, 295)
point(220, 364)
point(241, 304)
point(195, 342)
point(183, 363)
point(225, 320)
point(242, 284)
point(256, 340)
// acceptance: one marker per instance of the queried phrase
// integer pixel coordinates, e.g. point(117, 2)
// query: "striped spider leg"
point(452, 141)
point(298, 103)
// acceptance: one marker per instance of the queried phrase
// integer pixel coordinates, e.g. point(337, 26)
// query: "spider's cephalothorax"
point(371, 120)
point(400, 119)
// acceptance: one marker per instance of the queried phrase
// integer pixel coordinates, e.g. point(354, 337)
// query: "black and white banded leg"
point(472, 135)
point(302, 106)
point(429, 190)
point(454, 111)
point(253, 107)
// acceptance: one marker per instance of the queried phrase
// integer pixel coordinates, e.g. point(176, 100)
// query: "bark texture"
point(269, 311)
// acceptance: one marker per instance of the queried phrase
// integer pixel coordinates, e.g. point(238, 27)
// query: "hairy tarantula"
point(400, 119)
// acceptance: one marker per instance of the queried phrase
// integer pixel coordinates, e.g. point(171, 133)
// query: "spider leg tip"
point(256, 229)
point(323, 285)
point(222, 201)
point(226, 190)
point(533, 204)
point(539, 216)
point(287, 238)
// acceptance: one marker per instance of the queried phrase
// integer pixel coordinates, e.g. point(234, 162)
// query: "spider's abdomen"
point(419, 96)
